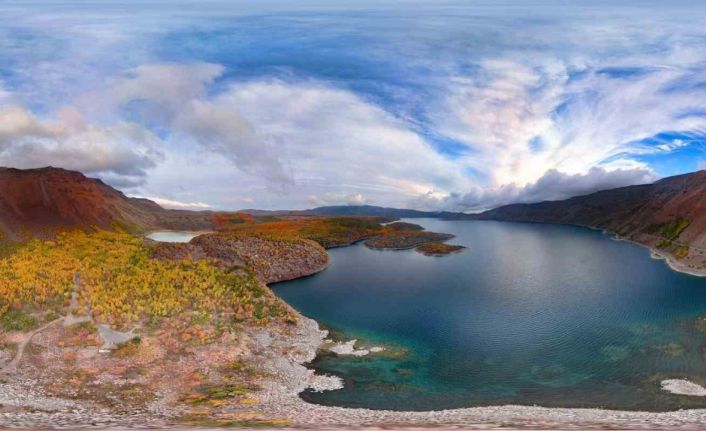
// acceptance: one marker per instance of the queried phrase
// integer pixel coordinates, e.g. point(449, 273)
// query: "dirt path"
point(12, 366)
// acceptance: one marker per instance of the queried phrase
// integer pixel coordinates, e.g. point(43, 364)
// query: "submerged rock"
point(683, 387)
point(348, 349)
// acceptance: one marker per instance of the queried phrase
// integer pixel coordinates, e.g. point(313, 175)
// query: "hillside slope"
point(40, 202)
point(668, 215)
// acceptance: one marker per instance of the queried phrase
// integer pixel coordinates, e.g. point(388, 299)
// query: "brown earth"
point(41, 202)
point(182, 372)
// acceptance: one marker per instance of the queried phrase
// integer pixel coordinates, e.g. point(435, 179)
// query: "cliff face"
point(40, 202)
point(669, 215)
point(272, 260)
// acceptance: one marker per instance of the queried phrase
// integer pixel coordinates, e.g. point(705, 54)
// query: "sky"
point(434, 105)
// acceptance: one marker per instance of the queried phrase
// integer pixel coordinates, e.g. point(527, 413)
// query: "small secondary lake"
point(173, 236)
point(529, 314)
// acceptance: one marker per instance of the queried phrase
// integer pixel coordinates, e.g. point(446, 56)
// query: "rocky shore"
point(676, 264)
point(281, 355)
point(284, 358)
point(685, 265)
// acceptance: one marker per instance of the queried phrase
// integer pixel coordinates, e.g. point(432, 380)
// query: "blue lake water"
point(529, 314)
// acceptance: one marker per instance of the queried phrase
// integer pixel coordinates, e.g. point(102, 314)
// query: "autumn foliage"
point(116, 280)
point(327, 231)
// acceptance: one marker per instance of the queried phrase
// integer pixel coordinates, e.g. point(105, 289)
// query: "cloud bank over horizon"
point(444, 107)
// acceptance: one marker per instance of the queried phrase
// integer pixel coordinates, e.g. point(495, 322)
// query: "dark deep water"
point(529, 314)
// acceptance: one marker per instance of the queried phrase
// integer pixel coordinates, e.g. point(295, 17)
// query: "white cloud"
point(553, 185)
point(307, 138)
point(222, 129)
point(331, 138)
point(498, 112)
point(178, 205)
point(295, 139)
point(174, 97)
point(671, 146)
point(158, 92)
point(523, 116)
point(338, 199)
point(533, 100)
point(521, 120)
point(69, 141)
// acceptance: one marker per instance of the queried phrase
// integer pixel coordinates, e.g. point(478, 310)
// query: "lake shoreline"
point(673, 263)
point(280, 397)
point(283, 352)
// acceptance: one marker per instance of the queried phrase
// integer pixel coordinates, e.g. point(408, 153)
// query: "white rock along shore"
point(280, 399)
point(284, 356)
point(683, 387)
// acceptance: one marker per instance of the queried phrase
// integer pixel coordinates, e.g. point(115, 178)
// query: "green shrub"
point(17, 320)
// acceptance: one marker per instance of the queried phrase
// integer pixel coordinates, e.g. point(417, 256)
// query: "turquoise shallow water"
point(529, 314)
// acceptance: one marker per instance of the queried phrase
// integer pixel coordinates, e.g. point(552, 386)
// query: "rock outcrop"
point(272, 260)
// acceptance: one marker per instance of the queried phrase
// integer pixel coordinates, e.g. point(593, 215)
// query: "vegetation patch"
point(84, 334)
point(438, 249)
point(120, 283)
point(400, 240)
point(225, 221)
point(127, 349)
point(16, 320)
point(239, 369)
point(681, 252)
point(669, 231)
point(218, 395)
point(327, 231)
point(401, 225)
point(7, 247)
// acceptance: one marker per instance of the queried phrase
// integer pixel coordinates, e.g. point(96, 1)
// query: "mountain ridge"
point(43, 201)
point(347, 210)
point(668, 216)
